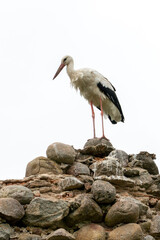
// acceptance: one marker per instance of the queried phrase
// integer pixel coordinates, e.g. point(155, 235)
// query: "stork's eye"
point(65, 59)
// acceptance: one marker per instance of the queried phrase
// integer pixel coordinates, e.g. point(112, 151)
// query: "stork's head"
point(64, 62)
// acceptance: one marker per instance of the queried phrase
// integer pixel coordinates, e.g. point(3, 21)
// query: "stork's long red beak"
point(59, 70)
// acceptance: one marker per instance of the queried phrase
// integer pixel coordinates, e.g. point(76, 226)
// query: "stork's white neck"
point(70, 69)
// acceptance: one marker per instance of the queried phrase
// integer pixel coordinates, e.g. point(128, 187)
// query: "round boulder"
point(78, 169)
point(123, 211)
point(61, 153)
point(90, 232)
point(131, 231)
point(43, 212)
point(22, 194)
point(11, 210)
point(103, 192)
point(42, 165)
point(89, 211)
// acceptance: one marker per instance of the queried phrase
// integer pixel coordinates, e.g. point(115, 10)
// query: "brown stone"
point(41, 165)
point(123, 211)
point(89, 211)
point(155, 226)
point(131, 231)
point(11, 209)
point(22, 194)
point(153, 201)
point(60, 234)
point(27, 236)
point(91, 232)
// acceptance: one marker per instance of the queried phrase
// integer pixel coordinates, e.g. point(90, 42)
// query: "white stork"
point(96, 89)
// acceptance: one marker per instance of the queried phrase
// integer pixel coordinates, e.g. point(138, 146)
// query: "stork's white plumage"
point(96, 89)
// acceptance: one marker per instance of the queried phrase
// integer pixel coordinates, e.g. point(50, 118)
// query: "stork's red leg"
point(93, 117)
point(102, 118)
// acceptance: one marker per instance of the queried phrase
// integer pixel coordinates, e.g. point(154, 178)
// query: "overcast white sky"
point(120, 39)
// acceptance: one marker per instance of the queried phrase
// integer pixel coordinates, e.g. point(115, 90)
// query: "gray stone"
point(144, 180)
point(61, 153)
point(70, 183)
point(4, 236)
point(155, 226)
point(131, 231)
point(103, 192)
point(121, 156)
point(60, 234)
point(45, 212)
point(147, 162)
point(89, 211)
point(42, 165)
point(78, 169)
point(91, 232)
point(107, 167)
point(97, 147)
point(11, 210)
point(123, 211)
point(39, 183)
point(4, 227)
point(22, 194)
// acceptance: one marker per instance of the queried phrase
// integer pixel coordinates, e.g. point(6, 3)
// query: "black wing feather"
point(112, 96)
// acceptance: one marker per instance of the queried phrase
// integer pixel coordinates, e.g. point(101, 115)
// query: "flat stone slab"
point(117, 180)
point(70, 183)
point(98, 147)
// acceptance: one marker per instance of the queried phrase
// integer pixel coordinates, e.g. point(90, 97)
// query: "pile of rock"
point(94, 193)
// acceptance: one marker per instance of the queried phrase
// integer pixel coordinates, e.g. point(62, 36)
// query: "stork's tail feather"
point(112, 121)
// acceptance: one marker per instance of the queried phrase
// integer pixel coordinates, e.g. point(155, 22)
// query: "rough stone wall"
point(94, 193)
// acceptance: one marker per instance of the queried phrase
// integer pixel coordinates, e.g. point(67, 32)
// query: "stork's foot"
point(104, 137)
